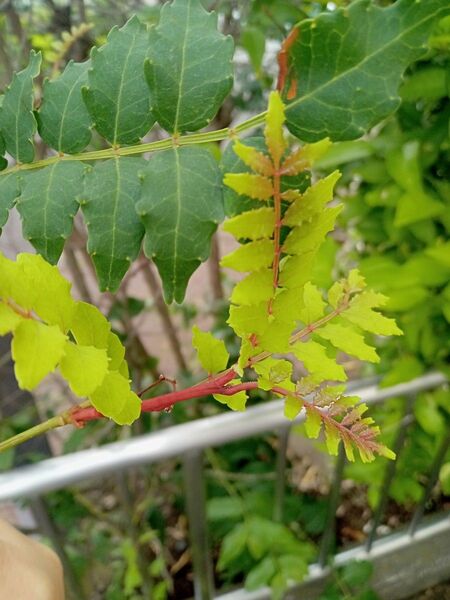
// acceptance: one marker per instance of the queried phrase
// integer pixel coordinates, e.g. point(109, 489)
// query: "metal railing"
point(404, 562)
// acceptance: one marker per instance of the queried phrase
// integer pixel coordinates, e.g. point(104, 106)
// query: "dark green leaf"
point(181, 206)
point(47, 204)
point(17, 122)
point(357, 574)
point(118, 97)
point(261, 574)
point(63, 119)
point(9, 191)
point(112, 189)
point(3, 161)
point(189, 68)
point(348, 65)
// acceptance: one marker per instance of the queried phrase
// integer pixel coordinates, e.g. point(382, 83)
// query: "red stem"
point(277, 231)
point(213, 385)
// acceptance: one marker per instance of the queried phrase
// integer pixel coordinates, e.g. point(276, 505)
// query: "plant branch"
point(184, 140)
point(217, 384)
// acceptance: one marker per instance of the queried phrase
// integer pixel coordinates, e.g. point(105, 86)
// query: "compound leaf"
point(63, 120)
point(347, 65)
point(48, 204)
point(112, 189)
point(36, 350)
point(189, 68)
point(212, 353)
point(17, 122)
point(117, 96)
point(181, 205)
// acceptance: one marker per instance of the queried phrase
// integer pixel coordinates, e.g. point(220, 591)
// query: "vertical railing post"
point(432, 478)
point(280, 474)
point(389, 473)
point(333, 502)
point(196, 513)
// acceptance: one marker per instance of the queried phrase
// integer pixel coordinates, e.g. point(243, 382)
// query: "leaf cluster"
point(177, 73)
point(51, 330)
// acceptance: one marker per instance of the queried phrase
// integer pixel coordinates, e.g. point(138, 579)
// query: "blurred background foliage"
point(126, 537)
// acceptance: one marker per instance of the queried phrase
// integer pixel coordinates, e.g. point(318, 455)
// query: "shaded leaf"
point(112, 190)
point(63, 119)
point(9, 192)
point(48, 204)
point(338, 82)
point(189, 68)
point(117, 96)
point(181, 205)
point(17, 122)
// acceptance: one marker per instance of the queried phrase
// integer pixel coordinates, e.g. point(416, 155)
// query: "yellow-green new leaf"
point(312, 201)
point(89, 326)
point(41, 288)
point(212, 353)
point(273, 372)
point(346, 339)
point(253, 158)
point(250, 257)
point(304, 157)
point(84, 367)
point(332, 438)
point(372, 321)
point(255, 288)
point(254, 186)
point(336, 294)
point(36, 350)
point(315, 358)
point(292, 407)
point(313, 422)
point(115, 351)
point(130, 411)
point(9, 319)
point(235, 401)
point(112, 395)
point(273, 132)
point(310, 235)
point(313, 304)
point(245, 320)
point(252, 225)
point(295, 271)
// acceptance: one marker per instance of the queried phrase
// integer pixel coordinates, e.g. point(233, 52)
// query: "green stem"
point(52, 423)
point(184, 140)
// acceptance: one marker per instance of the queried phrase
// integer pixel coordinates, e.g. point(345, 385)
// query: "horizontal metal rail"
point(403, 565)
point(59, 472)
